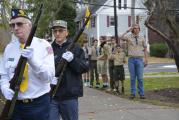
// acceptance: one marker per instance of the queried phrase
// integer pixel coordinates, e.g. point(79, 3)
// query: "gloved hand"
point(54, 81)
point(7, 92)
point(28, 52)
point(68, 56)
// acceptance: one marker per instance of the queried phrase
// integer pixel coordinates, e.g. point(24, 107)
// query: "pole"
point(133, 21)
point(115, 23)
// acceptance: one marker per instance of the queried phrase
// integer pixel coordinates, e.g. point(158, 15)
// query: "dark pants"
point(67, 110)
point(93, 70)
point(111, 73)
point(119, 73)
point(36, 110)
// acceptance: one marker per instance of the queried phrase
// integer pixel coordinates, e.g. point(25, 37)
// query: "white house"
point(102, 21)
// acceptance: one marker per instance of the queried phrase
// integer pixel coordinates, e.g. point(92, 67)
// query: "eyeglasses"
point(18, 24)
point(59, 30)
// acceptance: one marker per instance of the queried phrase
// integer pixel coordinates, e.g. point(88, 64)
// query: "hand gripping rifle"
point(61, 67)
point(18, 76)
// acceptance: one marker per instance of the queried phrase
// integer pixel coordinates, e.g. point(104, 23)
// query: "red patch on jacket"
point(49, 50)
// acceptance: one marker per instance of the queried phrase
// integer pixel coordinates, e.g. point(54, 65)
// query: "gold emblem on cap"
point(21, 13)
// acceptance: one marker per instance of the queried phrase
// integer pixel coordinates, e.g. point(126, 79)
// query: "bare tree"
point(165, 22)
point(4, 27)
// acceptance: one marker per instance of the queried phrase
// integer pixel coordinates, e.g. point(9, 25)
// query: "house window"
point(137, 19)
point(110, 21)
point(125, 4)
point(93, 22)
point(119, 4)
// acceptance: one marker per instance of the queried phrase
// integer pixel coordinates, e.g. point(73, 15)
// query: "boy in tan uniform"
point(119, 60)
point(93, 54)
point(102, 61)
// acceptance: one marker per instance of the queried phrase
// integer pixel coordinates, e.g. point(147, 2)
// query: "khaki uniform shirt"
point(119, 58)
point(135, 49)
point(104, 52)
point(93, 53)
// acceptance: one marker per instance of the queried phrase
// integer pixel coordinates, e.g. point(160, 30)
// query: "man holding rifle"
point(33, 102)
point(65, 102)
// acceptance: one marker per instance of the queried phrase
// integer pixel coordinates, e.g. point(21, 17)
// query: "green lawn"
point(160, 91)
point(151, 84)
point(154, 83)
point(161, 73)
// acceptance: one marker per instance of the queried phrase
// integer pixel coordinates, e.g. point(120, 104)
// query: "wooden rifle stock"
point(61, 67)
point(18, 75)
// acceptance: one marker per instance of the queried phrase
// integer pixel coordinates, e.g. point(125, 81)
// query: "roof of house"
point(92, 8)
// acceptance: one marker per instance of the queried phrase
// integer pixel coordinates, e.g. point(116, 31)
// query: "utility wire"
point(88, 3)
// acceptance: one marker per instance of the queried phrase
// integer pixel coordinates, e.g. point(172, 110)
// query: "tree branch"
point(172, 26)
point(153, 28)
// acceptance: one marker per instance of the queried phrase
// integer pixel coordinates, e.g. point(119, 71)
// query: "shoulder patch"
point(49, 50)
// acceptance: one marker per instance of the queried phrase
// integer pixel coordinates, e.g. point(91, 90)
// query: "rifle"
point(18, 75)
point(61, 67)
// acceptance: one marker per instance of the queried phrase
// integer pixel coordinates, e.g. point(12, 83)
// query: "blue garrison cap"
point(15, 13)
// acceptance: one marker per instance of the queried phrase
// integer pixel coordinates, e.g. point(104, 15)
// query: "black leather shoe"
point(142, 97)
point(132, 97)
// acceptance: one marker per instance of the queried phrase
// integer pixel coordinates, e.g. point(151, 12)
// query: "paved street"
point(98, 105)
point(158, 67)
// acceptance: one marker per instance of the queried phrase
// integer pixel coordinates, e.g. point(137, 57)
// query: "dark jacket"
point(71, 85)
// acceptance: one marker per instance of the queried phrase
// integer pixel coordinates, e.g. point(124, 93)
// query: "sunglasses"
point(18, 24)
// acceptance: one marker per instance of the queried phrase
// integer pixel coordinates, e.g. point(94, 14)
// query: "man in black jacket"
point(65, 102)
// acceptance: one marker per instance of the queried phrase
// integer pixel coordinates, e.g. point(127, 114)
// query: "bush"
point(158, 49)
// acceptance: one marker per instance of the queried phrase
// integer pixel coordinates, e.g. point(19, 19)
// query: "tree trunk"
point(176, 57)
point(176, 52)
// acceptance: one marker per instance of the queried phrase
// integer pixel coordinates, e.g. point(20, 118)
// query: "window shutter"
point(107, 21)
point(129, 21)
point(125, 4)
